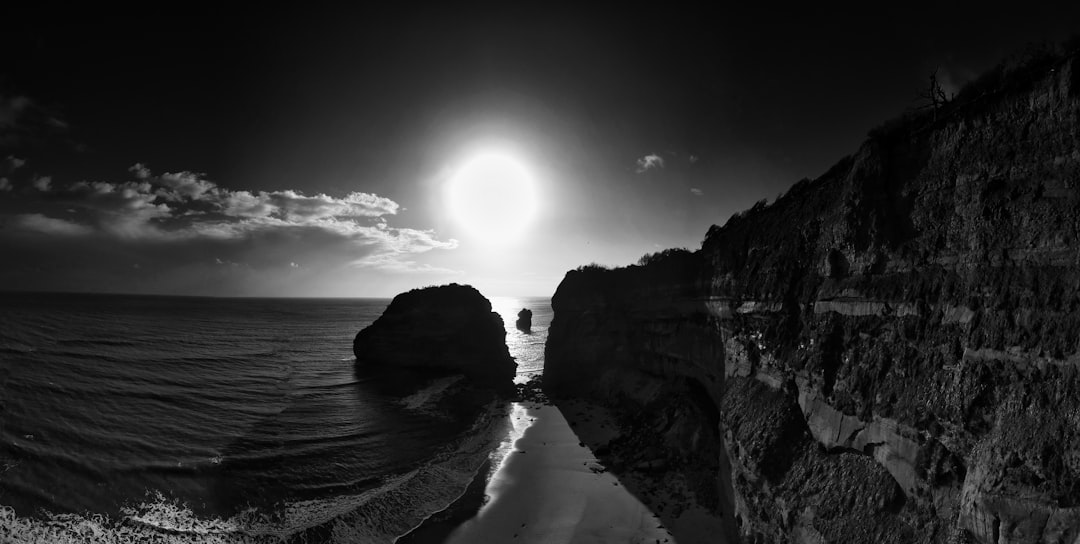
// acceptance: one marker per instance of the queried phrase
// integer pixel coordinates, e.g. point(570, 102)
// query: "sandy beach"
point(545, 485)
point(550, 488)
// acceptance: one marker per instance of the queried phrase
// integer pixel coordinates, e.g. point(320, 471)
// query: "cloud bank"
point(183, 221)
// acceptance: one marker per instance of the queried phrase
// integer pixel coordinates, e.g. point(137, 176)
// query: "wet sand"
point(547, 487)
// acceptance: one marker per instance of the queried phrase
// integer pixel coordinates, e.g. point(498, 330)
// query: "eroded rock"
point(524, 320)
point(446, 329)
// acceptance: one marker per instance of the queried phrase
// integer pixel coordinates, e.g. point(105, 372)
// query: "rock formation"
point(888, 353)
point(524, 320)
point(449, 328)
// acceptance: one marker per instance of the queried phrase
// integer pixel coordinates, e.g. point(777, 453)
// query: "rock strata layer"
point(448, 328)
point(888, 353)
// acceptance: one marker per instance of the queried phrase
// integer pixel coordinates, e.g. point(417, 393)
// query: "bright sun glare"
point(493, 197)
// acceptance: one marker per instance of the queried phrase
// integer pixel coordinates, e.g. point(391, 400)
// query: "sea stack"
point(447, 328)
point(524, 320)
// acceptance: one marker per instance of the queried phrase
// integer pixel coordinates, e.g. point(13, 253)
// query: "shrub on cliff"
point(663, 255)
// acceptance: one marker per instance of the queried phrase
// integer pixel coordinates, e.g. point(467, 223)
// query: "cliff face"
point(889, 353)
point(449, 328)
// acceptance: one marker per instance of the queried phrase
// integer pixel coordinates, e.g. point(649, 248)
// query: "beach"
point(546, 485)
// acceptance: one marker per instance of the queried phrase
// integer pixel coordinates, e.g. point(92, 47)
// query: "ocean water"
point(132, 418)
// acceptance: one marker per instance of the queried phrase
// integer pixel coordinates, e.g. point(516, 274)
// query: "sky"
point(314, 152)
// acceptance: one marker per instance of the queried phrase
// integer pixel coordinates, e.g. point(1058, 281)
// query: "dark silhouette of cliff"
point(887, 353)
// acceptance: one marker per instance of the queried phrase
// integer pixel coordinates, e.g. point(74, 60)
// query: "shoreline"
point(548, 486)
point(437, 527)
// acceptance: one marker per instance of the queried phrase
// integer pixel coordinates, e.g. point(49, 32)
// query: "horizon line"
point(175, 295)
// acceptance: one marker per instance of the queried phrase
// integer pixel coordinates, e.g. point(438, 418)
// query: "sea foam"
point(378, 515)
point(430, 393)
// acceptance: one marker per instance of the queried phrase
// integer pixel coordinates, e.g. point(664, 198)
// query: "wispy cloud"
point(36, 222)
point(649, 162)
point(395, 264)
point(697, 192)
point(5, 185)
point(22, 118)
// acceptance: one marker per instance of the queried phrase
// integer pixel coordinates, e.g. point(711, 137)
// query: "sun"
point(493, 197)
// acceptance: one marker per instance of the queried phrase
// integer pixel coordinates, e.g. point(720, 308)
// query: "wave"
point(378, 515)
point(96, 342)
point(420, 399)
point(16, 347)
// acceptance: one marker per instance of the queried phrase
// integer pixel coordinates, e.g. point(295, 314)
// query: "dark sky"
point(254, 128)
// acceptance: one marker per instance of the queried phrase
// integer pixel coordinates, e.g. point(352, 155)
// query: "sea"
point(130, 418)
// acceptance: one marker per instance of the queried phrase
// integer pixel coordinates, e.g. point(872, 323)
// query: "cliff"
point(888, 353)
point(446, 329)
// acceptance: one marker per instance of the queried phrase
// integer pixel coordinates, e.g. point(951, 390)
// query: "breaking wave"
point(378, 515)
point(430, 393)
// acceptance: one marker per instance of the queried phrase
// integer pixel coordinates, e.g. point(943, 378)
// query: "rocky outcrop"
point(449, 329)
point(888, 353)
point(524, 320)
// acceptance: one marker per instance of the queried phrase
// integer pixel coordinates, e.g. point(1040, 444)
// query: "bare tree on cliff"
point(934, 95)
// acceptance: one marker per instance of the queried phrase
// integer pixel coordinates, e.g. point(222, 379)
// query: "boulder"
point(446, 329)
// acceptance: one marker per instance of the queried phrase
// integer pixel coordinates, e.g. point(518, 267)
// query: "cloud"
point(295, 206)
point(180, 218)
point(22, 118)
point(697, 192)
point(127, 210)
point(245, 204)
point(185, 205)
point(649, 162)
point(404, 240)
point(180, 185)
point(36, 222)
point(393, 264)
point(43, 183)
point(5, 185)
point(140, 170)
point(15, 163)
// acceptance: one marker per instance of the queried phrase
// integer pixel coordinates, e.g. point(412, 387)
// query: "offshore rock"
point(888, 353)
point(444, 329)
point(524, 320)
